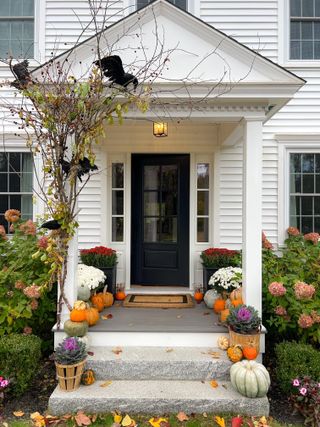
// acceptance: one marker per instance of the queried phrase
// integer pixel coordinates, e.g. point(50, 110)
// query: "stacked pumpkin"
point(221, 306)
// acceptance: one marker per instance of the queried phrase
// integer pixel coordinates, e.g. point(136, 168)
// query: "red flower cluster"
point(98, 250)
point(220, 252)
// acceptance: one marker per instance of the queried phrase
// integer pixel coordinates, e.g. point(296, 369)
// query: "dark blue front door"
point(160, 219)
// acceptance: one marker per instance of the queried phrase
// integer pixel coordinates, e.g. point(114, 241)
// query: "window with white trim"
point(304, 29)
point(304, 188)
point(17, 28)
point(16, 178)
point(203, 202)
point(180, 3)
point(117, 191)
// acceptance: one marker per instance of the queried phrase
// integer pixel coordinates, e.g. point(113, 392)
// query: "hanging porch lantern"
point(160, 129)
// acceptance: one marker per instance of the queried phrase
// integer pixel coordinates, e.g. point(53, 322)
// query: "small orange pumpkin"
point(224, 314)
point(78, 313)
point(235, 353)
point(198, 296)
point(236, 302)
point(107, 297)
point(250, 353)
point(236, 294)
point(219, 305)
point(97, 301)
point(88, 377)
point(120, 296)
point(92, 315)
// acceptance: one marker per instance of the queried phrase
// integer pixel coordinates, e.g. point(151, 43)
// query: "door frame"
point(185, 160)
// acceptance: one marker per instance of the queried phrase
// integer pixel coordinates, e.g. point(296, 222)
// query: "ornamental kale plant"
point(244, 319)
point(70, 351)
point(99, 256)
point(306, 399)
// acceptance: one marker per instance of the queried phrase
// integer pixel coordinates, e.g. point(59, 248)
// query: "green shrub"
point(295, 360)
point(19, 360)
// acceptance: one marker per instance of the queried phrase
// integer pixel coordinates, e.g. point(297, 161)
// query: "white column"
point(252, 213)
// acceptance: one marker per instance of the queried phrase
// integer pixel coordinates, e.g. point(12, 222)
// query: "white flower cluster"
point(90, 276)
point(227, 278)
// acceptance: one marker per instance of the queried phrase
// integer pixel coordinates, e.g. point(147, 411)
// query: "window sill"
point(302, 64)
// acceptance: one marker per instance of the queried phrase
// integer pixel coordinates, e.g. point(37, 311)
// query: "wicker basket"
point(245, 340)
point(69, 376)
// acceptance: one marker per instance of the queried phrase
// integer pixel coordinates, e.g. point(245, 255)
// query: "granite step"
point(156, 398)
point(159, 363)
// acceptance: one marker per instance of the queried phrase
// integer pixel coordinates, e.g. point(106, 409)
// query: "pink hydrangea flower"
point(315, 316)
point(3, 233)
point(312, 237)
point(32, 291)
point(293, 231)
point(277, 289)
point(43, 242)
point(27, 330)
point(29, 228)
point(303, 291)
point(280, 311)
point(266, 244)
point(305, 321)
point(19, 284)
point(34, 304)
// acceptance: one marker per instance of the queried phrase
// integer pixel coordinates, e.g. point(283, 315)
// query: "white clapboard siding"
point(251, 22)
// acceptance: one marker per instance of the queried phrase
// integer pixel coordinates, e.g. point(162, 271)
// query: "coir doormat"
point(158, 301)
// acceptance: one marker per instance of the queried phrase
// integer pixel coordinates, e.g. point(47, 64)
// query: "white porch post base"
point(251, 213)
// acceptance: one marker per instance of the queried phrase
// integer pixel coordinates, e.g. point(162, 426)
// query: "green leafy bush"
point(291, 292)
point(19, 360)
point(27, 300)
point(295, 360)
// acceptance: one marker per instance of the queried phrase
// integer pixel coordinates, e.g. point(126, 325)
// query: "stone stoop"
point(157, 380)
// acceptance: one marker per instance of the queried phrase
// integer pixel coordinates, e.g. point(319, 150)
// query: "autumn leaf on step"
point(156, 422)
point(94, 418)
point(169, 350)
point(220, 421)
point(182, 416)
point(18, 413)
point(214, 354)
point(128, 422)
point(106, 384)
point(82, 419)
point(117, 417)
point(237, 421)
point(262, 422)
point(117, 350)
point(38, 420)
point(107, 316)
point(214, 384)
point(205, 415)
point(206, 313)
point(179, 316)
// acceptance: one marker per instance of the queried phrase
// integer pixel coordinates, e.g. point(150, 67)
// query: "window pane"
point(151, 177)
point(26, 162)
point(306, 205)
point(317, 8)
point(307, 50)
point(295, 7)
point(317, 30)
point(307, 8)
point(308, 163)
point(14, 162)
point(27, 49)
point(151, 229)
point(295, 222)
point(4, 30)
point(317, 50)
point(317, 183)
point(316, 205)
point(294, 205)
point(306, 225)
point(117, 229)
point(117, 202)
point(28, 7)
point(169, 203)
point(14, 183)
point(5, 8)
point(3, 162)
point(295, 30)
point(295, 50)
point(16, 8)
point(4, 203)
point(295, 163)
point(181, 3)
point(295, 183)
point(317, 224)
point(117, 175)
point(26, 182)
point(3, 182)
point(169, 178)
point(203, 203)
point(306, 30)
point(203, 229)
point(169, 230)
point(4, 48)
point(203, 175)
point(28, 30)
point(308, 183)
point(26, 206)
point(15, 202)
point(151, 203)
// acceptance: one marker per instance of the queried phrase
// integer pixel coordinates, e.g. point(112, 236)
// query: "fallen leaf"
point(106, 384)
point(169, 350)
point(38, 420)
point(206, 313)
point(90, 353)
point(179, 316)
point(220, 421)
point(205, 415)
point(237, 421)
point(214, 384)
point(5, 424)
point(214, 354)
point(182, 416)
point(107, 316)
point(117, 350)
point(94, 418)
point(117, 417)
point(156, 422)
point(128, 422)
point(66, 416)
point(18, 413)
point(82, 419)
point(115, 425)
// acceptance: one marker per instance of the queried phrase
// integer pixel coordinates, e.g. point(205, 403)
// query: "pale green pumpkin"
point(83, 293)
point(75, 329)
point(210, 297)
point(250, 378)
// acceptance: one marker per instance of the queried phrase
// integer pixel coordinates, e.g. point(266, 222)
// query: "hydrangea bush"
point(226, 279)
point(291, 289)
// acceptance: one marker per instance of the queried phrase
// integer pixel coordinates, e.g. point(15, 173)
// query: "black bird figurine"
point(53, 224)
point(22, 74)
point(113, 69)
point(84, 167)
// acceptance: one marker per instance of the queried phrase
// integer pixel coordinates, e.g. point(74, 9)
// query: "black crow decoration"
point(113, 69)
point(53, 224)
point(22, 75)
point(84, 167)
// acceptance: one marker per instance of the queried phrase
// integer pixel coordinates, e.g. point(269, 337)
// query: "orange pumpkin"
point(219, 305)
point(235, 353)
point(237, 302)
point(250, 353)
point(92, 315)
point(120, 296)
point(224, 314)
point(97, 301)
point(107, 297)
point(77, 315)
point(198, 296)
point(236, 294)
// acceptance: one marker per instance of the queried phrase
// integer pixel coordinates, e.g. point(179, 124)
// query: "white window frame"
point(113, 161)
point(290, 144)
point(284, 40)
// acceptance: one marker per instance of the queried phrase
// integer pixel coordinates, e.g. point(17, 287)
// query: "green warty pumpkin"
point(75, 329)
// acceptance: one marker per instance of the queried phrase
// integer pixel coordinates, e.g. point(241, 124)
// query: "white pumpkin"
point(250, 378)
point(83, 293)
point(223, 342)
point(210, 296)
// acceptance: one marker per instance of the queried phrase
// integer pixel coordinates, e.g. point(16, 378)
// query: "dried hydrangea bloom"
point(27, 330)
point(12, 215)
point(303, 291)
point(34, 304)
point(43, 242)
point(3, 233)
point(29, 228)
point(315, 317)
point(277, 289)
point(293, 231)
point(280, 311)
point(305, 321)
point(32, 291)
point(19, 284)
point(312, 237)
